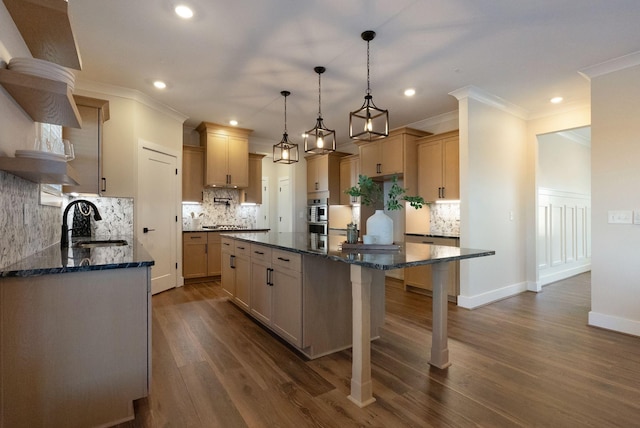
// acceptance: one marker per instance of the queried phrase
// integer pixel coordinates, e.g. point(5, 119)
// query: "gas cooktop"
point(225, 227)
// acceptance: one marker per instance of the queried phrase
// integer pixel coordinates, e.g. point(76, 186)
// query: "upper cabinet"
point(87, 144)
point(253, 193)
point(227, 155)
point(349, 172)
point(439, 172)
point(192, 173)
point(394, 155)
point(45, 28)
point(323, 175)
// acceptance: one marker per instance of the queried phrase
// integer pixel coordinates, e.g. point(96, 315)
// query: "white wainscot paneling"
point(564, 234)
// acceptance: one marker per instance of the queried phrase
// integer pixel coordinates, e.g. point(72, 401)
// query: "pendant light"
point(285, 151)
point(319, 139)
point(368, 122)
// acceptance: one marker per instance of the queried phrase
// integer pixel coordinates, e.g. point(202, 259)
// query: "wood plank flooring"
point(530, 360)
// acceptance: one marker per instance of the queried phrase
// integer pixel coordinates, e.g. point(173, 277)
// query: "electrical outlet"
point(27, 213)
point(620, 217)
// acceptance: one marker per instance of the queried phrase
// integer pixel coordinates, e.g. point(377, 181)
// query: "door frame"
point(142, 145)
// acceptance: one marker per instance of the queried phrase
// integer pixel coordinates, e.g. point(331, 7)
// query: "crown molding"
point(434, 121)
point(615, 64)
point(489, 99)
point(132, 94)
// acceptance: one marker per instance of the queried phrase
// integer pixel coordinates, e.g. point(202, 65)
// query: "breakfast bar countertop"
point(54, 260)
point(408, 255)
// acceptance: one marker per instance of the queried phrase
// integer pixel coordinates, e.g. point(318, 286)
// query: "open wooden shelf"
point(44, 100)
point(40, 170)
point(45, 28)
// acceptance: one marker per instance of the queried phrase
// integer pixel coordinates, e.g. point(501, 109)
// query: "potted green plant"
point(370, 192)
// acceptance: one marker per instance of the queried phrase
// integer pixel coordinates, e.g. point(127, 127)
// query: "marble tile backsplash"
point(19, 204)
point(217, 213)
point(445, 218)
point(116, 213)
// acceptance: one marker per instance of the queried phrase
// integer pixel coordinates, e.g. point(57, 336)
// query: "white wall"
point(493, 168)
point(577, 117)
point(564, 164)
point(615, 279)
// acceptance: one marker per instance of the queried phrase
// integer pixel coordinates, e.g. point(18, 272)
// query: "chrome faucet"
point(64, 239)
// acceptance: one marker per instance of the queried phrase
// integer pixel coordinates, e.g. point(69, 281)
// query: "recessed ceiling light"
point(159, 84)
point(556, 100)
point(409, 92)
point(183, 11)
point(233, 122)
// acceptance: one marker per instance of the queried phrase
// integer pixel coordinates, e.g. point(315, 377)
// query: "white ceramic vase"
point(381, 225)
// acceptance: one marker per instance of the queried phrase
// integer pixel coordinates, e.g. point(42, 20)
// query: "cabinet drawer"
point(194, 237)
point(260, 252)
point(449, 242)
point(227, 244)
point(242, 248)
point(287, 260)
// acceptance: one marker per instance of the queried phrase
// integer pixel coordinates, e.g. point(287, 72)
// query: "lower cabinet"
point(304, 299)
point(201, 255)
point(276, 291)
point(194, 255)
point(419, 278)
point(227, 249)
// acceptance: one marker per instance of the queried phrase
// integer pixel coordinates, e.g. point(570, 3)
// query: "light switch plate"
point(636, 217)
point(620, 217)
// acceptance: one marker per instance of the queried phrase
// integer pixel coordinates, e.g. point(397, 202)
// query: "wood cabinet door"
point(451, 168)
point(228, 272)
point(238, 162)
point(192, 173)
point(370, 159)
point(253, 193)
point(345, 181)
point(261, 290)
point(86, 145)
point(214, 254)
point(286, 318)
point(430, 170)
point(392, 155)
point(217, 160)
point(318, 174)
point(194, 255)
point(243, 278)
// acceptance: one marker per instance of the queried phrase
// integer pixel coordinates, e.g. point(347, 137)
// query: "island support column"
point(361, 386)
point(439, 347)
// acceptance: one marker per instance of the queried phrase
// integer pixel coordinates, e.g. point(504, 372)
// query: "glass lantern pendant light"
point(319, 139)
point(285, 151)
point(368, 122)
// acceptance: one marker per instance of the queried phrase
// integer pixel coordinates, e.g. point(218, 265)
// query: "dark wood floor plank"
point(530, 360)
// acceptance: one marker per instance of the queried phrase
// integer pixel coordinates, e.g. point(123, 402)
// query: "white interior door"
point(284, 205)
point(157, 213)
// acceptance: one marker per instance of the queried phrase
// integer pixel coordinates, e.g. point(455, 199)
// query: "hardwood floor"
point(529, 360)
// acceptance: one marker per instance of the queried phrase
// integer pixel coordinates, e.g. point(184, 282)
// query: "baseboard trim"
point(564, 273)
point(609, 322)
point(472, 302)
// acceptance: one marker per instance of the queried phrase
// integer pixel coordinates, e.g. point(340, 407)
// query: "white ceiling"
point(234, 57)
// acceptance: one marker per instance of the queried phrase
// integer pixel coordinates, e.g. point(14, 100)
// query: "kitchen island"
point(75, 336)
point(365, 275)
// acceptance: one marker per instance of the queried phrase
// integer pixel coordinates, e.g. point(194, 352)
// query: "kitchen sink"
point(100, 243)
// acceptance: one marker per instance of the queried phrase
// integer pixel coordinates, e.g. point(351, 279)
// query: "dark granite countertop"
point(53, 260)
point(408, 255)
point(201, 229)
point(435, 235)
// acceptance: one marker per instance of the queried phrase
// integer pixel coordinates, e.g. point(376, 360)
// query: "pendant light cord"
point(319, 96)
point(285, 114)
point(368, 84)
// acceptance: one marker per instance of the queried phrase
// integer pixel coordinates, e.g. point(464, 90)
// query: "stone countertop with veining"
point(53, 260)
point(408, 255)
